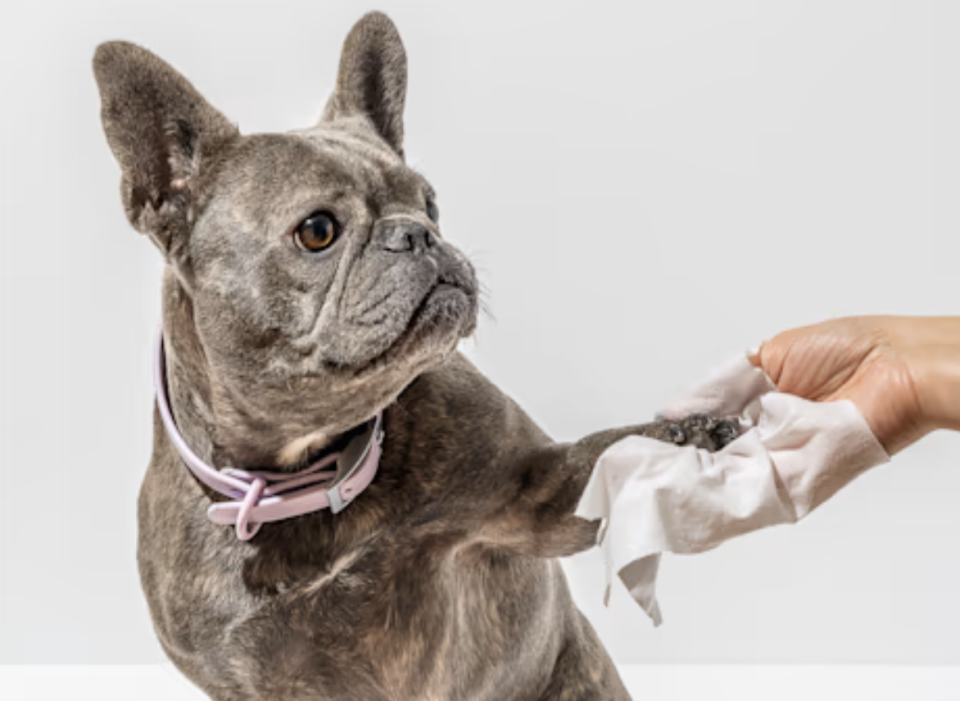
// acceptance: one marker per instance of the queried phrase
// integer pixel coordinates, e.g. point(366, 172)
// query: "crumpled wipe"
point(657, 497)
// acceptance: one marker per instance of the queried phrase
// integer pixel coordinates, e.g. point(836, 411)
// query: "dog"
point(308, 289)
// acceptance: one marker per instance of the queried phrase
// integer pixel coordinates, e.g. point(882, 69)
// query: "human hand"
point(902, 373)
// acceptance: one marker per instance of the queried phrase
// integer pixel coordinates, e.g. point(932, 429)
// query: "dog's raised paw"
point(703, 431)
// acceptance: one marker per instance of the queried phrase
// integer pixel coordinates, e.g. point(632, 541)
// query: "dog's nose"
point(401, 237)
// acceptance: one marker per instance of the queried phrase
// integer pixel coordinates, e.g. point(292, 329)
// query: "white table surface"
point(646, 683)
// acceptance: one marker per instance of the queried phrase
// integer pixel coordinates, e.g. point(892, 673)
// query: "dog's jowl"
point(308, 288)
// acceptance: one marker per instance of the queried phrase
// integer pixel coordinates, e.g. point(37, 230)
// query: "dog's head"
point(318, 282)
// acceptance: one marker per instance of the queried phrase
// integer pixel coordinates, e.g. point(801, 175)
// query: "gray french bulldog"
point(307, 287)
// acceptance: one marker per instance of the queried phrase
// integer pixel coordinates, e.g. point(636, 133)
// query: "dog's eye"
point(317, 232)
point(433, 211)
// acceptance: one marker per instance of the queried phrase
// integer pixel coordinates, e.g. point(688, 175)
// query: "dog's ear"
point(372, 80)
point(165, 137)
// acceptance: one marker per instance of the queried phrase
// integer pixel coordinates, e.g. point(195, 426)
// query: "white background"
point(645, 187)
point(644, 682)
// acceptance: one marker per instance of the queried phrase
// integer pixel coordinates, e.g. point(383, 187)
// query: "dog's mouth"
point(407, 320)
point(446, 313)
point(447, 306)
point(439, 293)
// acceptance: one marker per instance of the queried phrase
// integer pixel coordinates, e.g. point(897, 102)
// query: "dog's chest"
point(375, 621)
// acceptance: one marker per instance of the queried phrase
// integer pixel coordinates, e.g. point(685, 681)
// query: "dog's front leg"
point(546, 487)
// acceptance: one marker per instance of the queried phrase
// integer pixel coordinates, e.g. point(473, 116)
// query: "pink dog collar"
point(260, 497)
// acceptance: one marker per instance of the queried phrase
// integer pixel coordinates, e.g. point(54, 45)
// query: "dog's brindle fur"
point(440, 581)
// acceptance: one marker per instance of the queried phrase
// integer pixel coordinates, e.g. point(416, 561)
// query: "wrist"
point(933, 345)
point(939, 387)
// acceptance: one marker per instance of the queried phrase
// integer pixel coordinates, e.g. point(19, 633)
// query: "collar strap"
point(259, 497)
